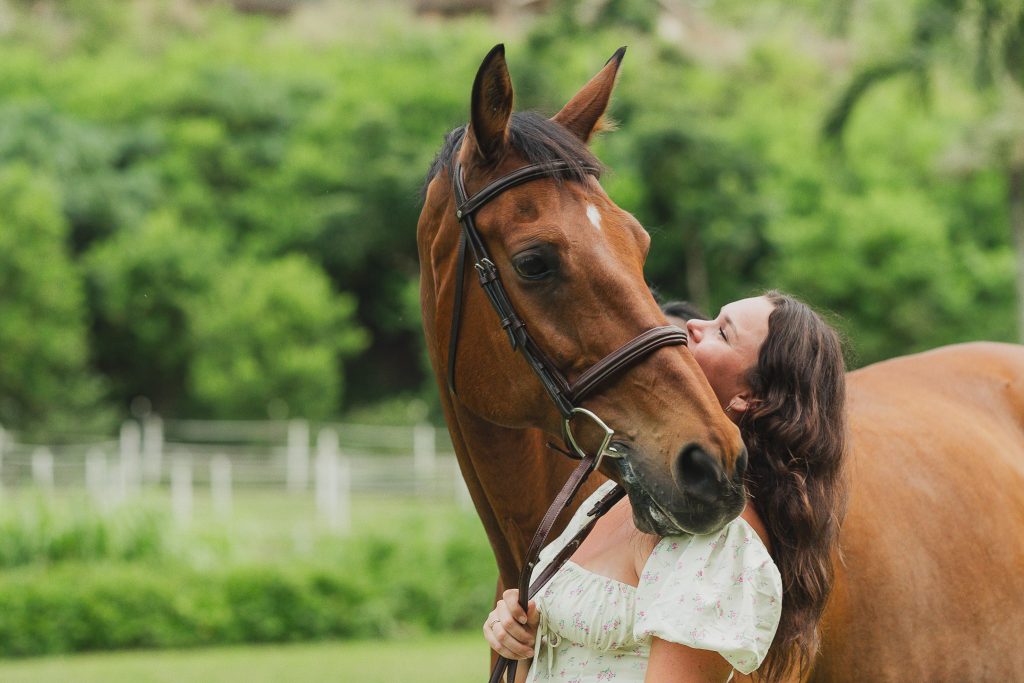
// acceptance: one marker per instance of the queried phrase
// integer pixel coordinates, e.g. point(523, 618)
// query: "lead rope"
point(561, 502)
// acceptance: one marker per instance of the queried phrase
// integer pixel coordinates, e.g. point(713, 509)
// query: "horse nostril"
point(698, 474)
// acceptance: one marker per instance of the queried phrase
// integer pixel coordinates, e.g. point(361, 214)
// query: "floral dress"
point(717, 591)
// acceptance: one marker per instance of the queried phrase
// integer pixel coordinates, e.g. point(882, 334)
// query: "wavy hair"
point(795, 433)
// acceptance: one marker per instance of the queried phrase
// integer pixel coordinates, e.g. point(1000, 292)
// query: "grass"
point(451, 658)
point(58, 550)
point(264, 524)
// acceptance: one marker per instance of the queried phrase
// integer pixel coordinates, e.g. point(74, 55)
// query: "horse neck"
point(512, 477)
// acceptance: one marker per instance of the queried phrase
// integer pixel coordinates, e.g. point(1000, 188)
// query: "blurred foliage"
point(271, 329)
point(982, 46)
point(45, 375)
point(43, 534)
point(130, 580)
point(217, 210)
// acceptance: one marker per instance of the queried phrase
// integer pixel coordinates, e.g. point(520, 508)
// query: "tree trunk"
point(1015, 197)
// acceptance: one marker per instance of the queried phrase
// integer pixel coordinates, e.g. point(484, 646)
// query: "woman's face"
point(726, 348)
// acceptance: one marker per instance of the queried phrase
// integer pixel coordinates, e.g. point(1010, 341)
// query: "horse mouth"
point(651, 517)
point(648, 516)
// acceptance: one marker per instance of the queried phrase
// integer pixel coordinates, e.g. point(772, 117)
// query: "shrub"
point(95, 582)
point(42, 534)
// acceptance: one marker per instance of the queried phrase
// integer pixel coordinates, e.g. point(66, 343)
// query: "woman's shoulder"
point(752, 518)
point(731, 564)
point(719, 591)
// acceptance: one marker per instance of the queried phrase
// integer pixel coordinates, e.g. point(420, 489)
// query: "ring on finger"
point(492, 622)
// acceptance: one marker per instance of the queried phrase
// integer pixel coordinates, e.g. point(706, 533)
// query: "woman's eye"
point(531, 266)
point(721, 331)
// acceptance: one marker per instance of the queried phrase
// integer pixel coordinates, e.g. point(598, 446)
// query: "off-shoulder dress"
point(719, 591)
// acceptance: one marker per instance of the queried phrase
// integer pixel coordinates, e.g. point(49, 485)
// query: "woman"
point(634, 607)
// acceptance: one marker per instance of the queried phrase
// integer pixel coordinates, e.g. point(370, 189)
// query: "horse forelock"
point(537, 139)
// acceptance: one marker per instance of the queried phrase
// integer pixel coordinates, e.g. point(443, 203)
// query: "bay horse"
point(570, 265)
point(930, 585)
point(930, 582)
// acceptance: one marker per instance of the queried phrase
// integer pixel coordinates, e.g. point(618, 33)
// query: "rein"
point(564, 394)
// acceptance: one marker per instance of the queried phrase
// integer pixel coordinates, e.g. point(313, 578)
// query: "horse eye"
point(531, 266)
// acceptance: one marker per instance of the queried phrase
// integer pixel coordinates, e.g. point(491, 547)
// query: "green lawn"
point(458, 658)
point(265, 524)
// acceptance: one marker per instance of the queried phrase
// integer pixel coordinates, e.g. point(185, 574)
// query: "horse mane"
point(538, 139)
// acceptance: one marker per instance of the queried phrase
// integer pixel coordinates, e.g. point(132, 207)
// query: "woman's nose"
point(694, 330)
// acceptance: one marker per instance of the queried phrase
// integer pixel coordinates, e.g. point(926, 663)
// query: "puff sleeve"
point(719, 592)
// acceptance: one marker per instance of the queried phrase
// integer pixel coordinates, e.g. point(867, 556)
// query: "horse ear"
point(492, 104)
point(582, 115)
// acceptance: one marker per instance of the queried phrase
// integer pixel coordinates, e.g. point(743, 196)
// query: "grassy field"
point(264, 523)
point(460, 658)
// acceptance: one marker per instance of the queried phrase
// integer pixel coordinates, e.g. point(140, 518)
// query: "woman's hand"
point(510, 631)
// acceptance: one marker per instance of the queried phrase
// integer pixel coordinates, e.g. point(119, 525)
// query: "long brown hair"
point(795, 433)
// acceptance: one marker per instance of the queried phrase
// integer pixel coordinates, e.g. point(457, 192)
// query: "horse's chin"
point(651, 518)
point(648, 517)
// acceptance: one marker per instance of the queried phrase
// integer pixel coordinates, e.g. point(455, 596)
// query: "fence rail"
point(331, 464)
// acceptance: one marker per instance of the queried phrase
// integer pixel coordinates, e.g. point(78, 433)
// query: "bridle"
point(566, 395)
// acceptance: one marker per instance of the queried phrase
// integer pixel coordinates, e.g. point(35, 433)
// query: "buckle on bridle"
point(605, 429)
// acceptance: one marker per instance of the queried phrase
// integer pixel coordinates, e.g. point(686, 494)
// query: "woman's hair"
point(795, 433)
point(683, 310)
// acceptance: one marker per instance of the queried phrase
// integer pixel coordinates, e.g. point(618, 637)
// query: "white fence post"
point(42, 468)
point(298, 455)
point(424, 455)
point(220, 485)
point(115, 471)
point(96, 479)
point(152, 448)
point(333, 483)
point(326, 463)
point(131, 445)
point(181, 488)
point(343, 485)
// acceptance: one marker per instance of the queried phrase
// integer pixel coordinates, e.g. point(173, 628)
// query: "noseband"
point(566, 395)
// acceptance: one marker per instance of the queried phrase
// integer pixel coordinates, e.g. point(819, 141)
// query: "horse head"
point(571, 263)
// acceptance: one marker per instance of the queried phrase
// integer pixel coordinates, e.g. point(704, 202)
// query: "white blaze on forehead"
point(594, 215)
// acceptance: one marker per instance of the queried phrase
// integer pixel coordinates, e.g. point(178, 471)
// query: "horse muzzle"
point(698, 497)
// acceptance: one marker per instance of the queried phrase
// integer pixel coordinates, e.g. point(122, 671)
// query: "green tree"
point(102, 188)
point(700, 202)
point(271, 333)
point(984, 43)
point(45, 379)
point(143, 282)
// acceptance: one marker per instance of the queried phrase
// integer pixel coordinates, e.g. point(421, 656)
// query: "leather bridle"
point(566, 395)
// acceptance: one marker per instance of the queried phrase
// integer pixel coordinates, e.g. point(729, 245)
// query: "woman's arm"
point(675, 663)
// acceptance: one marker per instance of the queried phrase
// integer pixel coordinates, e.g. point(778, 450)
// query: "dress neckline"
point(643, 570)
point(579, 520)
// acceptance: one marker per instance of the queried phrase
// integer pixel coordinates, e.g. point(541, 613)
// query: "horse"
point(570, 267)
point(930, 584)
